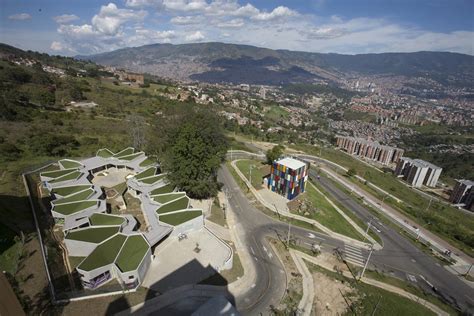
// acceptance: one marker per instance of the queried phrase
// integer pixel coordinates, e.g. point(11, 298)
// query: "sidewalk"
point(221, 232)
point(306, 304)
point(324, 229)
point(369, 281)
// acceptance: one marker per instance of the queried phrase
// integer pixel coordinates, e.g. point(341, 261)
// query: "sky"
point(86, 27)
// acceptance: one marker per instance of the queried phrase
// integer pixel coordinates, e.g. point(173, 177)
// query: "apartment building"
point(463, 193)
point(370, 150)
point(418, 172)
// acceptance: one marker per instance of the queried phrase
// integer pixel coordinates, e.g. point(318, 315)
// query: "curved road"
point(399, 256)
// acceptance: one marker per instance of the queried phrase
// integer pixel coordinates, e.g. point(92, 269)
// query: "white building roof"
point(291, 163)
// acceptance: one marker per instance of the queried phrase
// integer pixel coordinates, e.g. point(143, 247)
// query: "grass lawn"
point(64, 191)
point(446, 221)
point(99, 219)
point(259, 170)
point(70, 176)
point(179, 218)
point(153, 179)
point(92, 234)
point(130, 157)
point(125, 152)
point(57, 173)
point(217, 215)
point(176, 205)
point(165, 198)
point(146, 173)
point(132, 253)
point(162, 190)
point(349, 213)
point(71, 208)
point(146, 162)
point(68, 164)
point(365, 297)
point(103, 254)
point(79, 196)
point(321, 210)
point(104, 153)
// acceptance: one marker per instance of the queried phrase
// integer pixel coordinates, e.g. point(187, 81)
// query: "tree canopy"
point(274, 153)
point(191, 146)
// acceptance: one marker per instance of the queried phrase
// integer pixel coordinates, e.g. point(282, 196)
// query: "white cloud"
point(110, 18)
point(20, 17)
point(234, 23)
point(195, 37)
point(57, 46)
point(144, 36)
point(143, 3)
point(65, 18)
point(186, 20)
point(325, 32)
point(185, 5)
point(278, 12)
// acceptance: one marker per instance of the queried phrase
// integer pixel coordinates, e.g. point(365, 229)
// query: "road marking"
point(411, 278)
point(265, 249)
point(253, 285)
point(312, 236)
point(255, 258)
point(253, 252)
point(281, 271)
point(353, 255)
point(269, 255)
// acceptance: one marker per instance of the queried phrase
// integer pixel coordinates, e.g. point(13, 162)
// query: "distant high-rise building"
point(463, 193)
point(262, 92)
point(369, 150)
point(418, 172)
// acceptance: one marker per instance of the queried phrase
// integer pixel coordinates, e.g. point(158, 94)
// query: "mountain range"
point(232, 63)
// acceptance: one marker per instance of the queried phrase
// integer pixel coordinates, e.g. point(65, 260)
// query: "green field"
point(146, 173)
point(154, 179)
point(71, 208)
point(99, 219)
point(68, 164)
point(179, 218)
point(10, 248)
point(79, 196)
point(162, 190)
point(176, 205)
point(259, 170)
point(132, 253)
point(323, 212)
point(70, 176)
point(93, 234)
point(165, 198)
point(57, 173)
point(64, 191)
point(103, 254)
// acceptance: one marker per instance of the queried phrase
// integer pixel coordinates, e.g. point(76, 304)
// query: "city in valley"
point(220, 157)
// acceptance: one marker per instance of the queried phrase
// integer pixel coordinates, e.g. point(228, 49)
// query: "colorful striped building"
point(288, 177)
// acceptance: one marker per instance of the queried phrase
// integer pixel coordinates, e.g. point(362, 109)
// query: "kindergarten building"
point(288, 177)
point(111, 245)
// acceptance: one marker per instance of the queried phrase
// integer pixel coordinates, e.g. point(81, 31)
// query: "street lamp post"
point(367, 262)
point(289, 232)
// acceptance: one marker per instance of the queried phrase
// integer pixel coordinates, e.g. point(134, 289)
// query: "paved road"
point(401, 257)
point(271, 284)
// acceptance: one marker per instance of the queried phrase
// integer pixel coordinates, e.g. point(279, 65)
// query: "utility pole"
point(367, 262)
point(429, 204)
point(367, 231)
point(468, 270)
point(289, 232)
point(377, 305)
point(276, 208)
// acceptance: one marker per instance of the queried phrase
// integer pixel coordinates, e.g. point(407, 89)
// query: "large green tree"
point(191, 146)
point(274, 153)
